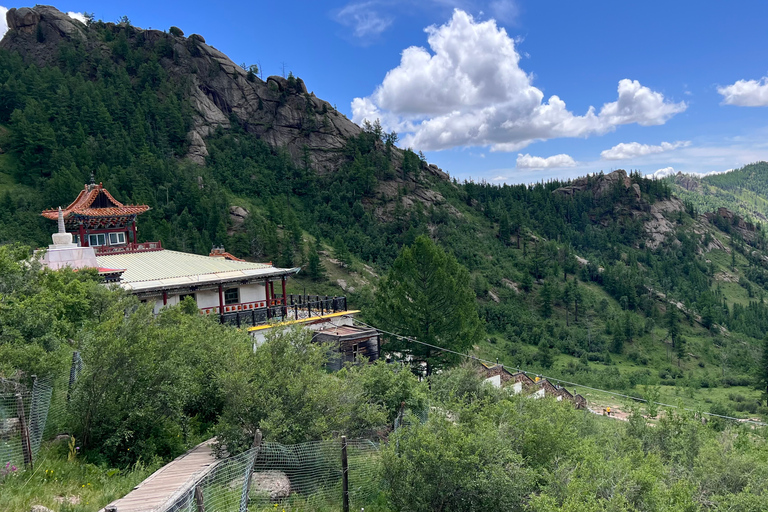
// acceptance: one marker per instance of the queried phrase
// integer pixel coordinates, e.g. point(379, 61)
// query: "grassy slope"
point(71, 486)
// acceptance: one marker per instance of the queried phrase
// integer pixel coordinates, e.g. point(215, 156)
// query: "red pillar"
point(285, 303)
point(134, 232)
point(221, 300)
point(269, 299)
point(83, 241)
point(165, 297)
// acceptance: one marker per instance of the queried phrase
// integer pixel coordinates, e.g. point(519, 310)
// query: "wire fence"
point(23, 417)
point(289, 477)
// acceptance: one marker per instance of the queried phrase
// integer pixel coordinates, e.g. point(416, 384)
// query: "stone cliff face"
point(280, 111)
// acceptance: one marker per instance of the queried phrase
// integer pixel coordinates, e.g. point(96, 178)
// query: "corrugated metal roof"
point(163, 269)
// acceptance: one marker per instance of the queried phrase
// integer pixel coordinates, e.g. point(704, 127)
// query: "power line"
point(557, 379)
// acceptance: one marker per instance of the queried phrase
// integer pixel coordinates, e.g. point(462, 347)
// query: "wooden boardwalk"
point(171, 481)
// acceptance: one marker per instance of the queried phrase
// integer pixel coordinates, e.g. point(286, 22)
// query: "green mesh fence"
point(291, 477)
point(62, 386)
point(23, 416)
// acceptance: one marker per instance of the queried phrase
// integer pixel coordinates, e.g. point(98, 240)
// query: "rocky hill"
point(280, 111)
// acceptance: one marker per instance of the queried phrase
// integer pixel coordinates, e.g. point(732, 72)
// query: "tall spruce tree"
point(428, 295)
point(763, 374)
point(315, 269)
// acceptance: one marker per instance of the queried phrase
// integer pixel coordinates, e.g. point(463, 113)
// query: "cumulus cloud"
point(746, 93)
point(364, 19)
point(79, 16)
point(527, 161)
point(661, 173)
point(3, 23)
point(469, 90)
point(627, 150)
point(669, 171)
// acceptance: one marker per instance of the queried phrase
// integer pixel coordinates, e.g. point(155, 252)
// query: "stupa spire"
point(61, 221)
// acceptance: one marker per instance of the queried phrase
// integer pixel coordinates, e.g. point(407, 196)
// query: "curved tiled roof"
point(83, 205)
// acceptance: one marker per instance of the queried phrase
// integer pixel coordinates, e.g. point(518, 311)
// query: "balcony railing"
point(297, 307)
point(102, 250)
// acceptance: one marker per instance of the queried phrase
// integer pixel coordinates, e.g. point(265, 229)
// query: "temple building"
point(97, 231)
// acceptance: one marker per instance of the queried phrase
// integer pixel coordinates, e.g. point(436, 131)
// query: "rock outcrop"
point(657, 226)
point(600, 185)
point(688, 182)
point(45, 23)
point(654, 216)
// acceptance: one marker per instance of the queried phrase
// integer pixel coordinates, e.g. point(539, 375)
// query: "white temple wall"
point(207, 298)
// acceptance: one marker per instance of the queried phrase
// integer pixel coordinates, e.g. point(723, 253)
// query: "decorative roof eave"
point(82, 205)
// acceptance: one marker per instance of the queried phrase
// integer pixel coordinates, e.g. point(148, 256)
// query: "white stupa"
point(64, 253)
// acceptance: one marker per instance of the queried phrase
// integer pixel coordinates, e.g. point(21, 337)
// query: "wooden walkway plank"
point(171, 480)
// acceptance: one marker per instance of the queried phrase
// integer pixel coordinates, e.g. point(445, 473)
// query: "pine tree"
point(545, 300)
point(763, 373)
point(567, 297)
point(427, 294)
point(673, 325)
point(315, 269)
point(680, 349)
point(341, 251)
point(505, 231)
point(578, 298)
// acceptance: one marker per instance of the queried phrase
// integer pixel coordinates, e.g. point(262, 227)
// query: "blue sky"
point(512, 90)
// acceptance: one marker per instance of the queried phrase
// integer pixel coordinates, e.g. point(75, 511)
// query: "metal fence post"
point(199, 500)
point(344, 475)
point(26, 446)
point(72, 374)
point(249, 471)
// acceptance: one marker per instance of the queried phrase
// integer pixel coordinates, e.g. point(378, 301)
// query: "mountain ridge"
point(280, 111)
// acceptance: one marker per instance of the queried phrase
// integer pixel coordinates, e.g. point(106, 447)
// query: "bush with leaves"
point(149, 386)
point(284, 389)
point(447, 465)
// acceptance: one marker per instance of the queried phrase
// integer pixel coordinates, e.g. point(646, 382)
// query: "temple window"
point(231, 296)
point(184, 296)
point(116, 238)
point(96, 240)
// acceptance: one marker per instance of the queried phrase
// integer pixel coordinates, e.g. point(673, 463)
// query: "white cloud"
point(3, 23)
point(469, 90)
point(79, 16)
point(669, 171)
point(661, 173)
point(527, 161)
point(627, 150)
point(746, 93)
point(364, 19)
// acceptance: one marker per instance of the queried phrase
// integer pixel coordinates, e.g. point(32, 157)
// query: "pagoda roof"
point(95, 201)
